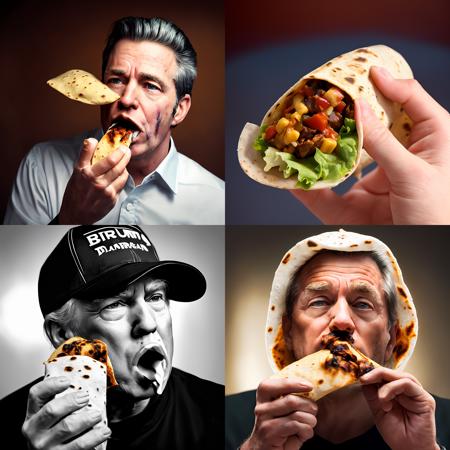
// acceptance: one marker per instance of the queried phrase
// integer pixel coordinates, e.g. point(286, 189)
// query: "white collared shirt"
point(179, 191)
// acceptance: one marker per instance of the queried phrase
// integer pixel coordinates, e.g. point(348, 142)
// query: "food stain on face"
point(158, 123)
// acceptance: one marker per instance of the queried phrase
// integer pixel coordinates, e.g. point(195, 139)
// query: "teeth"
point(135, 135)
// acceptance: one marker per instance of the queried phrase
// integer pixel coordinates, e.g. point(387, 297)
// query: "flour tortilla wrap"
point(406, 326)
point(84, 87)
point(328, 373)
point(350, 73)
point(86, 364)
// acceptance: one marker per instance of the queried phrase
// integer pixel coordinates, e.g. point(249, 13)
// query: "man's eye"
point(114, 81)
point(114, 305)
point(318, 303)
point(155, 298)
point(359, 304)
point(152, 86)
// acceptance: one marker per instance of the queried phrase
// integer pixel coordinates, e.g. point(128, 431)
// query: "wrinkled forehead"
point(340, 264)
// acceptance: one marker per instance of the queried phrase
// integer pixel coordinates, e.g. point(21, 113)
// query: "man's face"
point(137, 327)
point(343, 292)
point(143, 74)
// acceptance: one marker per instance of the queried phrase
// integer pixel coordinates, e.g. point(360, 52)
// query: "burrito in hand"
point(87, 365)
point(309, 139)
point(337, 365)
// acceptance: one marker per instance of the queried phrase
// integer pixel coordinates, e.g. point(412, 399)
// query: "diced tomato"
point(318, 121)
point(307, 91)
point(339, 107)
point(270, 132)
point(322, 103)
point(330, 133)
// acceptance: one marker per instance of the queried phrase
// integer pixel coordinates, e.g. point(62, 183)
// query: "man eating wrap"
point(107, 286)
point(341, 324)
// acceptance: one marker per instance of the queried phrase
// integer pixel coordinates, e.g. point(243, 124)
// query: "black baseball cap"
point(93, 262)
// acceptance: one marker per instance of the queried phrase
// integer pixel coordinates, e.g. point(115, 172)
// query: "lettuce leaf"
point(320, 166)
point(260, 144)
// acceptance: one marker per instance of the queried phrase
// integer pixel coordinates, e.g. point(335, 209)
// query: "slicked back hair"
point(156, 29)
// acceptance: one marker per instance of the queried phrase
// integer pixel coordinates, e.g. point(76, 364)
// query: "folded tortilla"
point(83, 87)
point(115, 136)
point(329, 369)
point(350, 73)
point(87, 365)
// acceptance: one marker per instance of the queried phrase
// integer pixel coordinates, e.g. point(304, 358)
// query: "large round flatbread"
point(114, 137)
point(349, 72)
point(407, 325)
point(83, 87)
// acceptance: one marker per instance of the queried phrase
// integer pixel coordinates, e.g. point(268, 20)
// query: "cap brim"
point(185, 282)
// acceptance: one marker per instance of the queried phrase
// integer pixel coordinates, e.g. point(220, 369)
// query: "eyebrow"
point(365, 288)
point(317, 286)
point(142, 76)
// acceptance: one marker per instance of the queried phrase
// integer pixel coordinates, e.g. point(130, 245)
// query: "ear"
point(392, 342)
point(181, 111)
point(56, 333)
point(287, 324)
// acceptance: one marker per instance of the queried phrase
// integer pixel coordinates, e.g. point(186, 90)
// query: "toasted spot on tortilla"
point(311, 243)
point(401, 109)
point(320, 381)
point(367, 242)
point(68, 368)
point(73, 358)
point(87, 368)
point(338, 68)
point(353, 245)
point(361, 88)
point(329, 63)
point(349, 79)
point(290, 93)
point(269, 330)
point(286, 258)
point(61, 354)
point(407, 126)
point(401, 291)
point(72, 386)
point(360, 59)
point(272, 307)
point(86, 376)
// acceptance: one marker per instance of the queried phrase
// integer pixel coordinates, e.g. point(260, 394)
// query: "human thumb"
point(381, 144)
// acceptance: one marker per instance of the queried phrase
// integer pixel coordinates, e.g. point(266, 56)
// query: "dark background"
point(270, 45)
point(39, 40)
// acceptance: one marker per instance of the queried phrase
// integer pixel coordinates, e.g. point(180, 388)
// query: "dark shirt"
point(239, 421)
point(188, 415)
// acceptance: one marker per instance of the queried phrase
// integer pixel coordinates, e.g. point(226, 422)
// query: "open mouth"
point(151, 363)
point(129, 125)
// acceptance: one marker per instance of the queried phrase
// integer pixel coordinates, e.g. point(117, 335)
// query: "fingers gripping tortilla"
point(338, 365)
point(309, 138)
point(312, 368)
point(115, 136)
point(83, 87)
point(87, 365)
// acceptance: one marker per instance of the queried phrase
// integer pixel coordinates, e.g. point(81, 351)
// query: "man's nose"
point(128, 99)
point(144, 320)
point(342, 316)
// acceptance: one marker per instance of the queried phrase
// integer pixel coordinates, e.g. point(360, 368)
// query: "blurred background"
point(254, 253)
point(270, 45)
point(198, 327)
point(39, 40)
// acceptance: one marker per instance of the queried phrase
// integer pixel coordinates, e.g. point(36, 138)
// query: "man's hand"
point(410, 185)
point(92, 191)
point(282, 421)
point(50, 421)
point(403, 411)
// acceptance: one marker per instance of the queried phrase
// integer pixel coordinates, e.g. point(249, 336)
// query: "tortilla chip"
point(83, 87)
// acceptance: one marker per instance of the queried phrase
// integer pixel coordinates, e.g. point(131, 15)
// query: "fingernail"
point(107, 431)
point(382, 72)
point(85, 143)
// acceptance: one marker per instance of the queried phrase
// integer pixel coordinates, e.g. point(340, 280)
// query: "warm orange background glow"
point(39, 40)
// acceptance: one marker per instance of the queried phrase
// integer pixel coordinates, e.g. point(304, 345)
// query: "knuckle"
point(26, 429)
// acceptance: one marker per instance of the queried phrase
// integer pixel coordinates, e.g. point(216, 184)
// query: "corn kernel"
point(282, 124)
point(295, 117)
point(334, 96)
point(328, 145)
point(290, 135)
point(299, 106)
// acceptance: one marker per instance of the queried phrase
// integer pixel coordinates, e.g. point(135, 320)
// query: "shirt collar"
point(168, 168)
